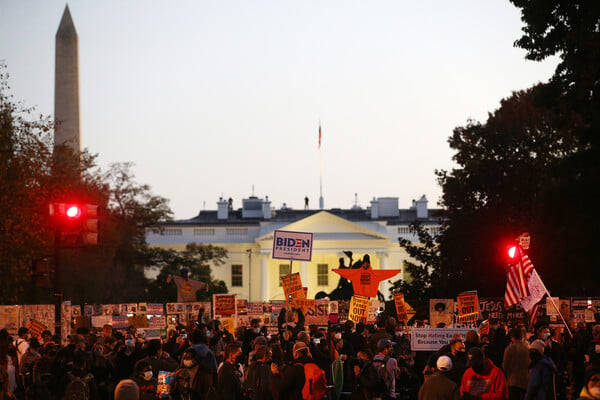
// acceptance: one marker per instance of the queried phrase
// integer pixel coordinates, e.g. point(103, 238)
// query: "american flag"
point(516, 284)
point(532, 317)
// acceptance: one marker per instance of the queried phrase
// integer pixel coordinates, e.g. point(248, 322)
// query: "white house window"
point(172, 232)
point(236, 275)
point(322, 275)
point(236, 231)
point(204, 232)
point(284, 270)
point(404, 230)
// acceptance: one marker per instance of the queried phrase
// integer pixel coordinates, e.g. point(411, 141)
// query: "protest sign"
point(400, 309)
point(303, 304)
point(292, 287)
point(224, 305)
point(157, 322)
point(229, 324)
point(468, 307)
point(359, 307)
point(550, 310)
point(289, 245)
point(430, 339)
point(255, 309)
point(374, 310)
point(318, 313)
point(138, 321)
point(36, 328)
point(441, 313)
point(120, 321)
point(492, 308)
point(9, 319)
point(154, 309)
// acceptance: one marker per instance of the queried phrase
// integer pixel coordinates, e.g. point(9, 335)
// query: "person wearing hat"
point(542, 372)
point(384, 355)
point(482, 380)
point(292, 381)
point(591, 389)
point(439, 386)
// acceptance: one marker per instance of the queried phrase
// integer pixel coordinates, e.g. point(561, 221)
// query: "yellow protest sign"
point(229, 324)
point(410, 311)
point(400, 308)
point(359, 307)
point(292, 287)
point(468, 307)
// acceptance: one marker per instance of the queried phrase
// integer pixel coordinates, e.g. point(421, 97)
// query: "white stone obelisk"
point(66, 85)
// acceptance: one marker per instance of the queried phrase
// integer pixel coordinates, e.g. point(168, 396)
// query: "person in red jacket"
point(483, 380)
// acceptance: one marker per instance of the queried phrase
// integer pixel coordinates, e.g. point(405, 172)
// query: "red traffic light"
point(73, 212)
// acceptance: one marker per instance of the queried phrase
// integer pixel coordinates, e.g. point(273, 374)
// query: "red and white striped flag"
point(532, 317)
point(516, 284)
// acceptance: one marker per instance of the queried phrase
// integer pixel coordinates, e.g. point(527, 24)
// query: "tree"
point(196, 257)
point(504, 185)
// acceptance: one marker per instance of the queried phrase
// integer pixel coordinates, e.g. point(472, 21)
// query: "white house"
point(247, 235)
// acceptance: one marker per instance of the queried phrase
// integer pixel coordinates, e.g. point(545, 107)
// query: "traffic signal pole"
point(57, 284)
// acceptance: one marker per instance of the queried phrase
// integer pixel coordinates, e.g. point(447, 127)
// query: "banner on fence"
point(430, 339)
point(224, 305)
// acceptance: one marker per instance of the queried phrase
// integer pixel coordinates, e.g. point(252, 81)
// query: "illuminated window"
point(322, 275)
point(284, 270)
point(236, 275)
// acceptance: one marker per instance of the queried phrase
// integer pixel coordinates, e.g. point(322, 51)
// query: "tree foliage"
point(33, 174)
point(197, 258)
point(506, 183)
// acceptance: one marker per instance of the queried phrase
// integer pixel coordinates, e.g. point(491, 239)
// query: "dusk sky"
point(208, 99)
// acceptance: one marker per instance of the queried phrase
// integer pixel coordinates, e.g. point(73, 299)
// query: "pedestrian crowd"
point(202, 360)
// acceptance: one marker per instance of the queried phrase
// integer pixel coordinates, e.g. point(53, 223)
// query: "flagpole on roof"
point(321, 200)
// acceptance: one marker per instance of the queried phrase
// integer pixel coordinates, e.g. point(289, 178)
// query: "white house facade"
point(247, 235)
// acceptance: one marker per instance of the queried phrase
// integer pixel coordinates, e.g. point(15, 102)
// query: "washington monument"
point(66, 85)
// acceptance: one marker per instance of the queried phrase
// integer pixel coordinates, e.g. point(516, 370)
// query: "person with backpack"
point(81, 384)
point(387, 368)
point(542, 374)
point(257, 384)
point(302, 379)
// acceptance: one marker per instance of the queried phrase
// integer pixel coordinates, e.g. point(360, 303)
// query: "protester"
point(229, 383)
point(515, 363)
point(383, 357)
point(439, 386)
point(258, 379)
point(127, 389)
point(542, 373)
point(591, 388)
point(482, 379)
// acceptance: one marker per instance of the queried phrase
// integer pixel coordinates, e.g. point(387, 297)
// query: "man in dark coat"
point(439, 386)
point(258, 379)
point(229, 383)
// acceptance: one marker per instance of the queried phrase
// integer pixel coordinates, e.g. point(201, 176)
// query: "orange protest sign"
point(468, 307)
point(303, 304)
point(400, 308)
point(292, 287)
point(359, 307)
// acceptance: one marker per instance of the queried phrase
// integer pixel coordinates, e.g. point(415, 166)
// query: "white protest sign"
point(289, 245)
point(432, 339)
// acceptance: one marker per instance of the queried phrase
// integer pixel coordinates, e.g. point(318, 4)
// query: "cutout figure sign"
point(365, 280)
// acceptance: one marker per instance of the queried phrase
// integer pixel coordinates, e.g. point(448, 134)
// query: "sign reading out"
point(468, 307)
point(359, 308)
point(289, 245)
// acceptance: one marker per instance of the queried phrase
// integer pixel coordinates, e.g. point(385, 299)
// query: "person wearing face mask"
point(200, 375)
point(591, 388)
point(515, 364)
point(157, 358)
point(145, 379)
point(542, 373)
point(125, 359)
point(482, 380)
point(258, 379)
point(229, 382)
